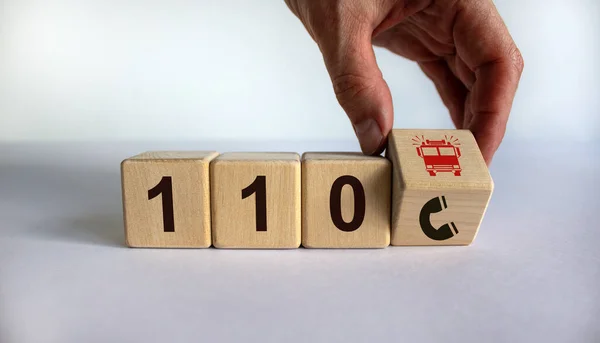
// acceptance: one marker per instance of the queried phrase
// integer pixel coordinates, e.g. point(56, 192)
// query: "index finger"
point(485, 45)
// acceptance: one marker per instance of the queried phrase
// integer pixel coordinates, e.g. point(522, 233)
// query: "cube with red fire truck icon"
point(441, 186)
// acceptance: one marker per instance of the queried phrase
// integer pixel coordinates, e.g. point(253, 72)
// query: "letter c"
point(434, 206)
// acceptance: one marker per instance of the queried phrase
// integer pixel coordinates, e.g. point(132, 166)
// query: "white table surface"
point(532, 275)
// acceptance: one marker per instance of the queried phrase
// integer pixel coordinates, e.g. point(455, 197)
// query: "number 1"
point(165, 187)
point(259, 188)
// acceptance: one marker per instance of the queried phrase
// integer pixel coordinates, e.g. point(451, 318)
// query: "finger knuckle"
point(517, 59)
point(349, 86)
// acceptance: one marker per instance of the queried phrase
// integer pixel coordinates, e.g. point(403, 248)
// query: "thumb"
point(359, 87)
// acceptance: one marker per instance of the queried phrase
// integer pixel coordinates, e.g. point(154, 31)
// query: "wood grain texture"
point(319, 173)
point(440, 191)
point(143, 217)
point(235, 218)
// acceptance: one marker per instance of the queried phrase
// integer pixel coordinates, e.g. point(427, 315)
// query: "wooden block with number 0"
point(345, 200)
point(441, 189)
point(166, 199)
point(256, 200)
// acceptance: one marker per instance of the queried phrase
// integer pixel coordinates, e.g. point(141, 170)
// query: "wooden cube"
point(441, 187)
point(256, 200)
point(166, 201)
point(345, 200)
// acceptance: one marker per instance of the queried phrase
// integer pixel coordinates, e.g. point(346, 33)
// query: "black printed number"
point(335, 205)
point(259, 188)
point(165, 187)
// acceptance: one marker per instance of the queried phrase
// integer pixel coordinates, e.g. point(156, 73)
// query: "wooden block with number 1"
point(256, 200)
point(441, 187)
point(166, 201)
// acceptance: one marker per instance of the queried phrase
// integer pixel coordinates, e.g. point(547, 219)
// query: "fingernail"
point(369, 135)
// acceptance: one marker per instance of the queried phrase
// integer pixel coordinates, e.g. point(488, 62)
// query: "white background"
point(221, 70)
point(532, 274)
point(244, 75)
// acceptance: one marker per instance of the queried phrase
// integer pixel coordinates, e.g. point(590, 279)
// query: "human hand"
point(463, 46)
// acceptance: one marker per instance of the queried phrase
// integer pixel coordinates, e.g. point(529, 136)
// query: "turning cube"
point(345, 200)
point(441, 187)
point(166, 201)
point(256, 200)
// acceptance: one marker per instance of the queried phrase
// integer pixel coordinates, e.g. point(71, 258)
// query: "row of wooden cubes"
point(431, 188)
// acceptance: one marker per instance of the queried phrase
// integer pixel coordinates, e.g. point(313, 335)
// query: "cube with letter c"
point(441, 187)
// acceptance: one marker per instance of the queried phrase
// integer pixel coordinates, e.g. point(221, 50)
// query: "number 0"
point(335, 203)
point(259, 188)
point(165, 187)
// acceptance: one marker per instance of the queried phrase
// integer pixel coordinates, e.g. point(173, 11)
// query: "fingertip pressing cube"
point(345, 200)
point(441, 187)
point(166, 201)
point(256, 200)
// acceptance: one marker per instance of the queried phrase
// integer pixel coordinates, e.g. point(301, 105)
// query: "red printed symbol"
point(439, 155)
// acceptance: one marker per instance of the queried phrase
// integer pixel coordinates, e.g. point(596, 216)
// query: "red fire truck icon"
point(439, 155)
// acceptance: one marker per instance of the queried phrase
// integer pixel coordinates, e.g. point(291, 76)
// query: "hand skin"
point(463, 46)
